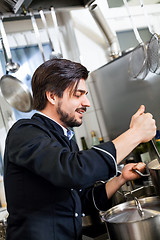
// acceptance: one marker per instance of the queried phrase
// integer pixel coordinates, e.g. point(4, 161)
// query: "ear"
point(51, 97)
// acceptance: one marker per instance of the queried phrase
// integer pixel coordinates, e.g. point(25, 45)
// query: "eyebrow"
point(82, 91)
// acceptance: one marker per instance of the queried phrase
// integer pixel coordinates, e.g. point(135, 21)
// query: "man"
point(49, 183)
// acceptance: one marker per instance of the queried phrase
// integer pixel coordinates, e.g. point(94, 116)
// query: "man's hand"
point(128, 173)
point(144, 124)
point(142, 129)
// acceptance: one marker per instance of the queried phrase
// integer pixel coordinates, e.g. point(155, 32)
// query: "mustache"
point(82, 108)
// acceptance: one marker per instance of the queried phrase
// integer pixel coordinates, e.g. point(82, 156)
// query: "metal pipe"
point(106, 30)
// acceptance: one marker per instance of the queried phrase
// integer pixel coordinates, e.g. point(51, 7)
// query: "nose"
point(85, 102)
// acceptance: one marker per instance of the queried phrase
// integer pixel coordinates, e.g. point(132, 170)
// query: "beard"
point(66, 118)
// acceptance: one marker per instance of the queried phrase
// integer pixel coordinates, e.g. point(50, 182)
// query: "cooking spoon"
point(37, 34)
point(53, 54)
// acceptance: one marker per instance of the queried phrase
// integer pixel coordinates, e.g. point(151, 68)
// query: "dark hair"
point(55, 75)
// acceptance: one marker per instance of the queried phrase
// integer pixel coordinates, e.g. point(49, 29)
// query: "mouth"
point(81, 111)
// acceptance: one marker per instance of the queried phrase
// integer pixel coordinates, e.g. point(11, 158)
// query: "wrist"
point(126, 142)
point(121, 180)
point(136, 136)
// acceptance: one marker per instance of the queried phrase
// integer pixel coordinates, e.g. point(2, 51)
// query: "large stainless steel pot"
point(154, 169)
point(125, 223)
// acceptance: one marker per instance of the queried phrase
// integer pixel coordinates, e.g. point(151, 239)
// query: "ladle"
point(15, 92)
point(54, 19)
point(36, 30)
point(10, 65)
point(53, 54)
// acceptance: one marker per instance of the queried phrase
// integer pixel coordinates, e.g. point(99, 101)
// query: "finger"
point(139, 166)
point(140, 111)
point(149, 114)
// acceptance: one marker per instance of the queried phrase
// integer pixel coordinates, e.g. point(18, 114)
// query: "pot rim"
point(110, 211)
point(154, 164)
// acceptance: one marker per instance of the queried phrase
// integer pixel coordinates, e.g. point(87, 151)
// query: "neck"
point(53, 116)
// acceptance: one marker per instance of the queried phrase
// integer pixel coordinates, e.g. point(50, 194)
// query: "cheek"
point(68, 107)
point(72, 105)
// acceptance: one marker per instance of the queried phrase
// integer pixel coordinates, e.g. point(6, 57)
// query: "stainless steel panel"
point(120, 97)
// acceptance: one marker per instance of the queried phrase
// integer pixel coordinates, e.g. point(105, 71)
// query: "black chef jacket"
point(48, 181)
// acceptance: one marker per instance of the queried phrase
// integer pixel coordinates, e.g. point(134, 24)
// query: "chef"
point(49, 182)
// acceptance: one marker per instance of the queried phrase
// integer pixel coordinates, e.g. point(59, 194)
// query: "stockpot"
point(124, 222)
point(154, 169)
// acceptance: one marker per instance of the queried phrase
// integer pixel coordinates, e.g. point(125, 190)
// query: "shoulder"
point(27, 126)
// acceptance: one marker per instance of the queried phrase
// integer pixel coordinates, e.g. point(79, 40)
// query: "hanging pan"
point(53, 54)
point(138, 64)
point(15, 92)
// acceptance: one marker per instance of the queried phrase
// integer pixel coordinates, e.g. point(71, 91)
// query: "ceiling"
point(19, 8)
point(22, 6)
point(119, 3)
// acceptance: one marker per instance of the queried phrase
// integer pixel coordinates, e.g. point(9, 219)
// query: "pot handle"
point(141, 174)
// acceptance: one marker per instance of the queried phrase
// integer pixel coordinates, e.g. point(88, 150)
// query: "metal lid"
point(127, 212)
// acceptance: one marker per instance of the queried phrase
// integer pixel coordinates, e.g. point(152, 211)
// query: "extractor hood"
point(22, 6)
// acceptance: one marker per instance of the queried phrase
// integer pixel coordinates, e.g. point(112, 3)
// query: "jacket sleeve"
point(95, 199)
point(35, 150)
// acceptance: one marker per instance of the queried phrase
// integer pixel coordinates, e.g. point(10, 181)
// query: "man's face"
point(71, 107)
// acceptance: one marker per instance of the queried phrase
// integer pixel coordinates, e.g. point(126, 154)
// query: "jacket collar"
point(51, 125)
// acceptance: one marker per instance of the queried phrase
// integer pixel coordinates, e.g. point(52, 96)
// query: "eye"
point(78, 94)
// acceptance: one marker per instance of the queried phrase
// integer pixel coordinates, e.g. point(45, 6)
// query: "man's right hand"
point(144, 124)
point(142, 129)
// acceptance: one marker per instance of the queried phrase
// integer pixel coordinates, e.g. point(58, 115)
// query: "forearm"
point(127, 174)
point(113, 185)
point(125, 143)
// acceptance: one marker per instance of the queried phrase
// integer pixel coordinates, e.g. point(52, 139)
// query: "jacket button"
point(76, 214)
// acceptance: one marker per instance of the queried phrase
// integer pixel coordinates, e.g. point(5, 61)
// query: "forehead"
point(81, 85)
